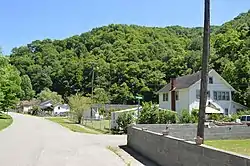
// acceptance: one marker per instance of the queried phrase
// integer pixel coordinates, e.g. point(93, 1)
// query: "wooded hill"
point(131, 60)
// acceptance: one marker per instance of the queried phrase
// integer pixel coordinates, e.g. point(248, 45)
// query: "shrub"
point(185, 117)
point(148, 115)
point(195, 115)
point(125, 119)
point(166, 116)
point(216, 117)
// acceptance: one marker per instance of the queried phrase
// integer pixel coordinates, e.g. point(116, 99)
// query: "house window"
point(221, 95)
point(210, 79)
point(165, 96)
point(215, 95)
point(197, 94)
point(226, 111)
point(208, 94)
point(227, 96)
point(177, 95)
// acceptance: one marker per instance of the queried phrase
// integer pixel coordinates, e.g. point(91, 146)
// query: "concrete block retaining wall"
point(170, 151)
point(188, 131)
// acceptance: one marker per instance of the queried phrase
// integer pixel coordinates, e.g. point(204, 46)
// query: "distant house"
point(46, 105)
point(184, 93)
point(27, 105)
point(61, 109)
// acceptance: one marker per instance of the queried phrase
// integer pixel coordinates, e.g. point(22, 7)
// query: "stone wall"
point(188, 131)
point(170, 151)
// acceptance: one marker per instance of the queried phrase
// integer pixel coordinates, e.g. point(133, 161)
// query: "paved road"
point(33, 141)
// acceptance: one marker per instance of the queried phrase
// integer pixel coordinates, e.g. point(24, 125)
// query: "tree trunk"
point(204, 72)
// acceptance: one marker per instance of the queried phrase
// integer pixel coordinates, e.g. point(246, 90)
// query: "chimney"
point(173, 95)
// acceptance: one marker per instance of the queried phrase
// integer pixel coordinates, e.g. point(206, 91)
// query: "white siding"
point(218, 85)
point(181, 104)
point(27, 108)
point(164, 104)
point(183, 101)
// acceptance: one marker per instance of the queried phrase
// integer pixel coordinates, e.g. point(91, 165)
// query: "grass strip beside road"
point(72, 126)
point(237, 146)
point(5, 120)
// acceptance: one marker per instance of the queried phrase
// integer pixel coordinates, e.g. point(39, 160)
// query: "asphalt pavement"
point(34, 141)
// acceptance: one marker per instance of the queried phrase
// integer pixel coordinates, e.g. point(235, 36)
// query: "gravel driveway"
point(33, 141)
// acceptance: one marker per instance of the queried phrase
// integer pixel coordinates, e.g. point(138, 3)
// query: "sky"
point(23, 21)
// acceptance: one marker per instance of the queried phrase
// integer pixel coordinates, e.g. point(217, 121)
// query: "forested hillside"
point(131, 60)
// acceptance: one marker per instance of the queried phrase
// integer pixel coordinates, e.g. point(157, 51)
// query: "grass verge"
point(238, 146)
point(5, 120)
point(116, 150)
point(72, 126)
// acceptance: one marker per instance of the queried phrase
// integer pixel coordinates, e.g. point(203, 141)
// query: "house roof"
point(183, 82)
point(29, 102)
point(65, 106)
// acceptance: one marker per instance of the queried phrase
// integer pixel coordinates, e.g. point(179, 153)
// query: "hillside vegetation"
point(131, 60)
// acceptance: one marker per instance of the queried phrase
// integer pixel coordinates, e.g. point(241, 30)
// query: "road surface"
point(34, 141)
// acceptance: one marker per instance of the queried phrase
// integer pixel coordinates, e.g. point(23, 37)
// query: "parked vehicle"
point(245, 119)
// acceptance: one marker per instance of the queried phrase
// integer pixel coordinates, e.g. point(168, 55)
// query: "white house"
point(61, 109)
point(26, 105)
point(186, 93)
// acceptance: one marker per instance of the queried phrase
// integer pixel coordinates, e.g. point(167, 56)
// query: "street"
point(34, 141)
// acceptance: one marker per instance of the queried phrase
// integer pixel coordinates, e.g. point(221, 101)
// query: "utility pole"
point(204, 72)
point(92, 89)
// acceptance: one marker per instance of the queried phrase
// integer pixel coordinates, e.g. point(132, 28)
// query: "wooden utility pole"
point(204, 72)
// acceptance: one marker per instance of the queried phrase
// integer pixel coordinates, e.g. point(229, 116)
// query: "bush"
point(148, 115)
point(216, 117)
point(195, 115)
point(125, 119)
point(185, 117)
point(166, 116)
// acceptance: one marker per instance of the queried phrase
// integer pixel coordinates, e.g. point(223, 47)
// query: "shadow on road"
point(137, 156)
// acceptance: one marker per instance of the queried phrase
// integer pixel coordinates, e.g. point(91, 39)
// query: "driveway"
point(34, 141)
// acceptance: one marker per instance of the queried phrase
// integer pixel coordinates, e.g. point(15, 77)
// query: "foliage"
point(124, 120)
point(10, 82)
point(27, 92)
point(195, 115)
point(132, 60)
point(216, 117)
point(47, 94)
point(148, 114)
point(35, 110)
point(100, 96)
point(78, 105)
point(185, 117)
point(166, 116)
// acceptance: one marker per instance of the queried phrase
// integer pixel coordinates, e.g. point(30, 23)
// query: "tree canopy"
point(10, 82)
point(130, 60)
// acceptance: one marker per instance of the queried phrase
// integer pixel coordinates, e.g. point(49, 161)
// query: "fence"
point(103, 124)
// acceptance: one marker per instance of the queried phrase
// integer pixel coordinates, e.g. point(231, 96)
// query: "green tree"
point(78, 105)
point(27, 92)
point(47, 94)
point(9, 85)
point(100, 96)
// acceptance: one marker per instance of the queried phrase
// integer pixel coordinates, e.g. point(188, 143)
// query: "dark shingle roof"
point(183, 82)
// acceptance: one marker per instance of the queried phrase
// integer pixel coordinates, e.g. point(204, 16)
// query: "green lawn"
point(238, 146)
point(5, 120)
point(102, 125)
point(72, 126)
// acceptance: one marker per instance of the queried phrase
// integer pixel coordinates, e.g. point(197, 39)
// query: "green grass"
point(72, 126)
point(102, 125)
point(238, 146)
point(5, 121)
